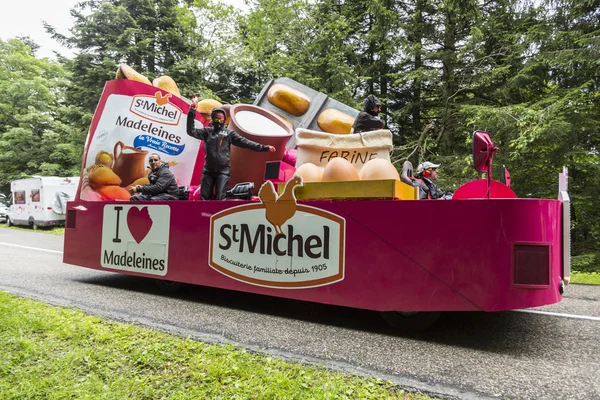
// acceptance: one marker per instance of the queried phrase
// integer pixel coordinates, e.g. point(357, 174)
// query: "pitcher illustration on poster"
point(129, 163)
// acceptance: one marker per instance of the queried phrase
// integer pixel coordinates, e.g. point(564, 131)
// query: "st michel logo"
point(136, 238)
point(277, 242)
point(156, 108)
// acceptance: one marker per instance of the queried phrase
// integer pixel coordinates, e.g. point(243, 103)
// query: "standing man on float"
point(367, 120)
point(217, 144)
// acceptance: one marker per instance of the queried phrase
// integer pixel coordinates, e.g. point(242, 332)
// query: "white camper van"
point(41, 201)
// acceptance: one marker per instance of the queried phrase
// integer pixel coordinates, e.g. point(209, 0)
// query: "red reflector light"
point(49, 208)
point(531, 265)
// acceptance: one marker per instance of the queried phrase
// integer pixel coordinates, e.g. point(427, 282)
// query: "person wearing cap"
point(367, 120)
point(426, 175)
point(217, 143)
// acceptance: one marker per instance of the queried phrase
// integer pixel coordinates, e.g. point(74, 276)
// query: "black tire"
point(168, 286)
point(410, 321)
point(9, 222)
point(34, 226)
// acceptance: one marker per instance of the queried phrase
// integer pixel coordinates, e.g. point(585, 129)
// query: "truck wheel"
point(9, 222)
point(34, 226)
point(410, 321)
point(168, 286)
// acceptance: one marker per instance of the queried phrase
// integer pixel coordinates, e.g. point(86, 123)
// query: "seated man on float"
point(163, 185)
point(426, 175)
point(367, 119)
point(217, 145)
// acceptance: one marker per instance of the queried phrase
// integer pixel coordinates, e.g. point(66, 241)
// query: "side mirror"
point(483, 151)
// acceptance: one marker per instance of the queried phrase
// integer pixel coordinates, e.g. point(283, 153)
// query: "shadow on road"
point(495, 332)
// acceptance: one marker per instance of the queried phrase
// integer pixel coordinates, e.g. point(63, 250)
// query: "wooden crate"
point(355, 190)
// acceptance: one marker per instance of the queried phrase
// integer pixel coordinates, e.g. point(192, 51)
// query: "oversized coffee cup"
point(129, 163)
point(262, 126)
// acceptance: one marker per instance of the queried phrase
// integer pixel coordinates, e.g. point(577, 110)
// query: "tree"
point(33, 136)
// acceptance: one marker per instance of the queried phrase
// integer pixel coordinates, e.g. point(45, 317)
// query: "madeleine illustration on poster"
point(129, 129)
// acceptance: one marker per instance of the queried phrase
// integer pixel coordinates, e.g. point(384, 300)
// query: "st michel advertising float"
point(326, 218)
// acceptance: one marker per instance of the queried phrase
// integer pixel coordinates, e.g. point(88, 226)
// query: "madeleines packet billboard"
point(132, 121)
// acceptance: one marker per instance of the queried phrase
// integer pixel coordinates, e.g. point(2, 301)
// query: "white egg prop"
point(309, 172)
point(339, 169)
point(379, 169)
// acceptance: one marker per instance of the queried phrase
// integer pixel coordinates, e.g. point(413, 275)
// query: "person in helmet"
point(367, 119)
point(217, 143)
point(425, 179)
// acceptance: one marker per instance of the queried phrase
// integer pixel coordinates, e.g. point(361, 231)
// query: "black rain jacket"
point(217, 144)
point(367, 120)
point(161, 180)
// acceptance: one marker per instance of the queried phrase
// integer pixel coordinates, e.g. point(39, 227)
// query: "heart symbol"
point(139, 223)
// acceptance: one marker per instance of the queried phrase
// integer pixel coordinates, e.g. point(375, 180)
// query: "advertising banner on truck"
point(132, 121)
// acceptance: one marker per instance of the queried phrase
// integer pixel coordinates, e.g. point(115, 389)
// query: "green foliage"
point(588, 278)
point(59, 353)
point(56, 230)
point(34, 137)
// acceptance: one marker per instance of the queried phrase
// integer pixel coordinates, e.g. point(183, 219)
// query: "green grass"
point(59, 353)
point(590, 278)
point(59, 231)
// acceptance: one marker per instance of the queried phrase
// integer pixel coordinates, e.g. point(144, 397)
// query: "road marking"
point(554, 314)
point(30, 248)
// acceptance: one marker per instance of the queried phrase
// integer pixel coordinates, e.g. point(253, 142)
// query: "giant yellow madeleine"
point(335, 121)
point(288, 99)
point(126, 72)
point(166, 83)
point(339, 169)
point(206, 106)
point(377, 169)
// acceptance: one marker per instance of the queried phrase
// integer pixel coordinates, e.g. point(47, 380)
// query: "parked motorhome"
point(41, 201)
point(4, 203)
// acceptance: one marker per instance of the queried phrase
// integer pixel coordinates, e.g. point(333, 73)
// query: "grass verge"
point(60, 353)
point(59, 231)
point(590, 278)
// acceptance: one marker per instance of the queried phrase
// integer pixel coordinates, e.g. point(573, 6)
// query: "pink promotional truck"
point(368, 245)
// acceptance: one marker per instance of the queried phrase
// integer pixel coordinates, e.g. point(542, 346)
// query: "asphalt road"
point(467, 355)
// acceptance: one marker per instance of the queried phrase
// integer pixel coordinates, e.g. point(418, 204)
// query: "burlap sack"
point(319, 147)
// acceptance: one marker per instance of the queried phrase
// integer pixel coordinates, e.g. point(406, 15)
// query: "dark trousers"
point(160, 196)
point(208, 183)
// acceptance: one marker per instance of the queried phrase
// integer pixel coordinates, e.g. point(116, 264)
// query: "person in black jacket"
point(217, 144)
point(367, 119)
point(163, 185)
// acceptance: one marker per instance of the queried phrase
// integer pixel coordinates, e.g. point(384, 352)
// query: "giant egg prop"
point(309, 172)
point(339, 169)
point(377, 169)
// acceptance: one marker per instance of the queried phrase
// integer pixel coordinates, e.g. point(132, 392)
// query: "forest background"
point(528, 72)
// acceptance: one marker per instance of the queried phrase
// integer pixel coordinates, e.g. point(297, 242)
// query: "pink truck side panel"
point(397, 255)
